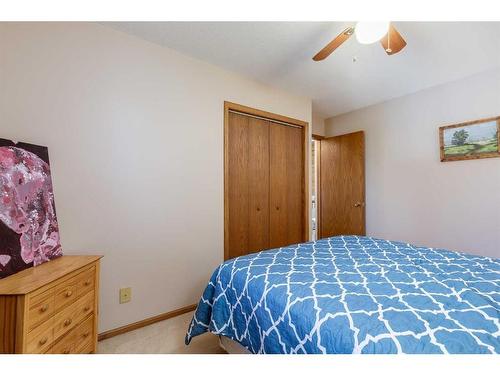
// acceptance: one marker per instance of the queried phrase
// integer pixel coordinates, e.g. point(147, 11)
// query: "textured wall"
point(134, 132)
point(412, 196)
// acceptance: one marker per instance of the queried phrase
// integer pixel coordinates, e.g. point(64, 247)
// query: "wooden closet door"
point(286, 185)
point(248, 184)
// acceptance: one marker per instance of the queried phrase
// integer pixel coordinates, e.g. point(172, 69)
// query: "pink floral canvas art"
point(29, 233)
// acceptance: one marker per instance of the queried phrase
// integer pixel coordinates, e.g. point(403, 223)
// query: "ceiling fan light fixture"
point(371, 32)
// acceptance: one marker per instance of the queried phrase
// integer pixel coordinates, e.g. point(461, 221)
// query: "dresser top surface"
point(31, 279)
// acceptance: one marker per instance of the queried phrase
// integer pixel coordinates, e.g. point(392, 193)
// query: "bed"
point(353, 294)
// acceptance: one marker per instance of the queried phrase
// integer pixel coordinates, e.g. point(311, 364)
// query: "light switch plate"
point(125, 295)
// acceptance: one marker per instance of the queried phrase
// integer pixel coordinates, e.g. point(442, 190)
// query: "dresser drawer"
point(77, 340)
point(87, 349)
point(40, 338)
point(65, 320)
point(65, 293)
point(66, 345)
point(41, 307)
point(84, 335)
point(85, 305)
point(85, 282)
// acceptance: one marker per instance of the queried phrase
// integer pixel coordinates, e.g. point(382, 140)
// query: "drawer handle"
point(43, 341)
point(69, 293)
point(67, 322)
point(87, 283)
point(44, 308)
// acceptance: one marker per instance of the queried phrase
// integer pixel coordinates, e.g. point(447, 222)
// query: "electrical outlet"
point(125, 295)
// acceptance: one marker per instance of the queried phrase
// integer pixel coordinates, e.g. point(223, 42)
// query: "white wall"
point(318, 124)
point(412, 196)
point(135, 137)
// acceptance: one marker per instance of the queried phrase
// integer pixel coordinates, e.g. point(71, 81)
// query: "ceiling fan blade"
point(393, 42)
point(334, 44)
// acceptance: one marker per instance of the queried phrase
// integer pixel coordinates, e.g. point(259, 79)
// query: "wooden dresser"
point(51, 308)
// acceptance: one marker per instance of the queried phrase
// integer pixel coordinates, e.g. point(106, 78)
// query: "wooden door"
point(286, 185)
point(342, 185)
point(248, 184)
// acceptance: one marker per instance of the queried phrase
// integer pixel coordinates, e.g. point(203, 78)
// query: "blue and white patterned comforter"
point(353, 294)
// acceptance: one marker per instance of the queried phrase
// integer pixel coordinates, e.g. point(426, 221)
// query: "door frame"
point(229, 106)
point(317, 137)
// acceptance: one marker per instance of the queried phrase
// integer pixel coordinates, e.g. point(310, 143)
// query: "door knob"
point(359, 204)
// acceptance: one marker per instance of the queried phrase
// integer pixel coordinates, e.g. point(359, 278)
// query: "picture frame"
point(470, 140)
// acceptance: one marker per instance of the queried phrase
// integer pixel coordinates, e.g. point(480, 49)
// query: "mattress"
point(353, 294)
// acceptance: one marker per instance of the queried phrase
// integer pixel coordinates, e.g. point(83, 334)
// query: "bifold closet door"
point(248, 184)
point(286, 185)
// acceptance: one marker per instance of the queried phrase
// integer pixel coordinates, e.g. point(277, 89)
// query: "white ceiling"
point(280, 54)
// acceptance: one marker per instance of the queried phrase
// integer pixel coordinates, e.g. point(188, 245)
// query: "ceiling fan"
point(367, 33)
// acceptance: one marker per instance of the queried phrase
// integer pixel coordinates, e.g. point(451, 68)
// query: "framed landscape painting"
point(470, 140)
